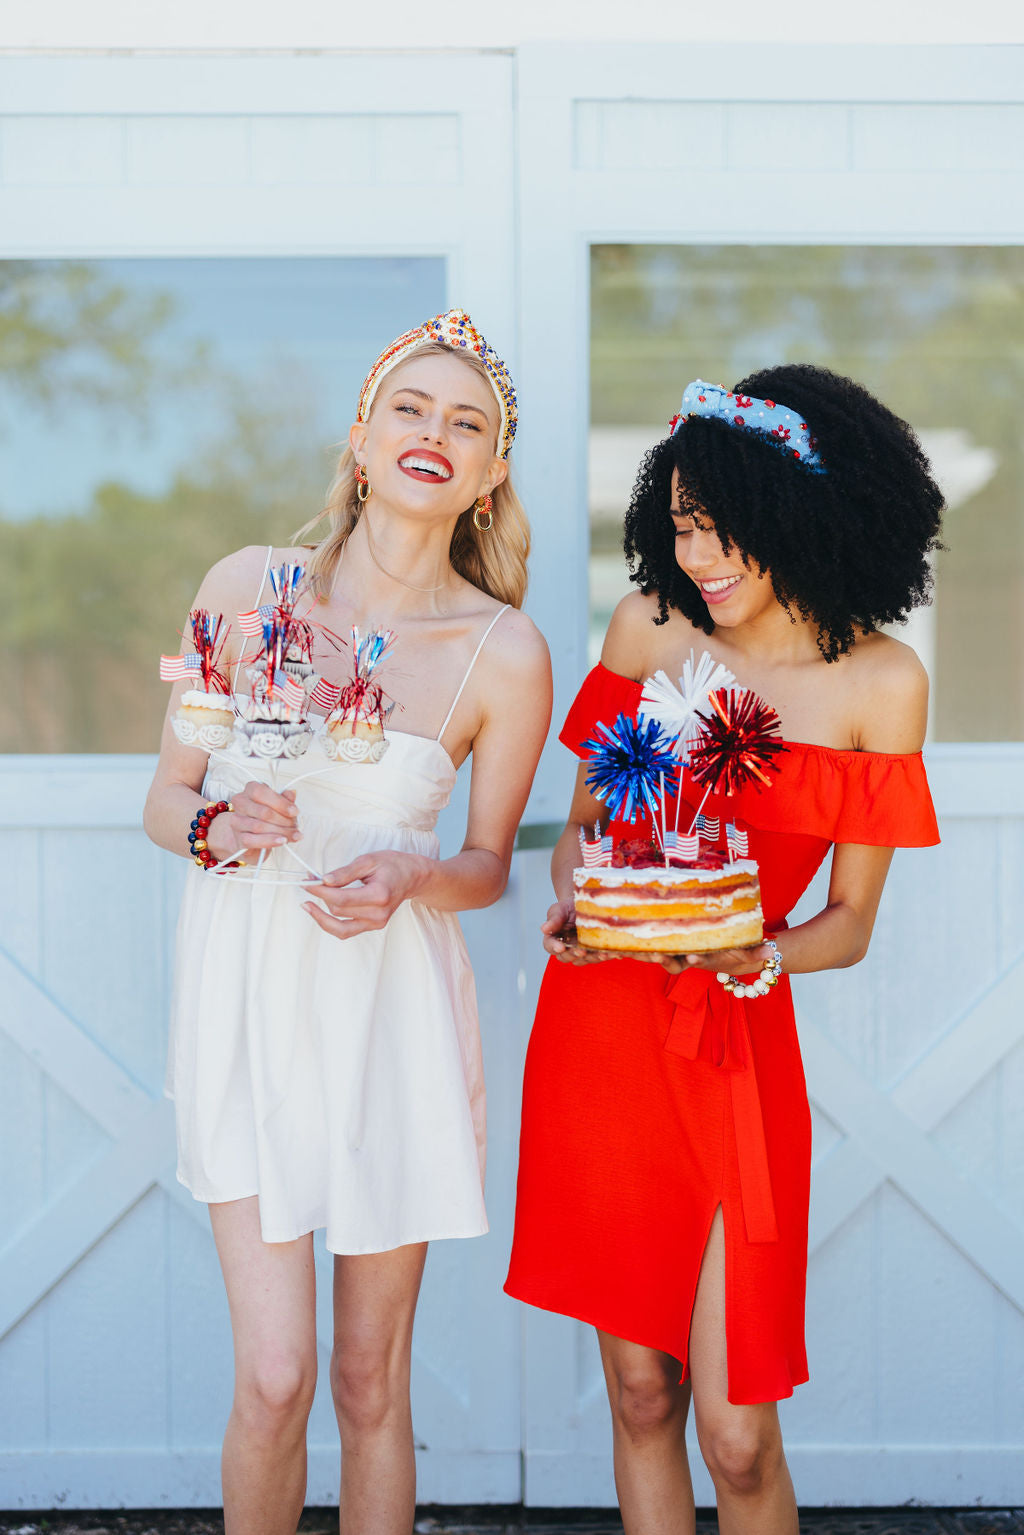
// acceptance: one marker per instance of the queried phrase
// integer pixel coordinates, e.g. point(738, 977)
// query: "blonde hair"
point(494, 562)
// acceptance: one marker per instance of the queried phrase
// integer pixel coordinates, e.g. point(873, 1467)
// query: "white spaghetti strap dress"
point(340, 1081)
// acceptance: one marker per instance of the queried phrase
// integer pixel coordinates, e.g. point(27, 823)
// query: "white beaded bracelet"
point(768, 978)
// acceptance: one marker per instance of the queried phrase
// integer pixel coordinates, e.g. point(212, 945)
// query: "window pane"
point(154, 415)
point(935, 332)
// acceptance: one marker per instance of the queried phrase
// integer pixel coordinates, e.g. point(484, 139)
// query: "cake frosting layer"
point(673, 910)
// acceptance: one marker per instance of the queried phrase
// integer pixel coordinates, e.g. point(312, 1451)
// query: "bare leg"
point(271, 1293)
point(742, 1446)
point(375, 1298)
point(649, 1407)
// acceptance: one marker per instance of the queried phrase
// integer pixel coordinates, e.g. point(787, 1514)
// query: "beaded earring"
point(481, 509)
point(363, 487)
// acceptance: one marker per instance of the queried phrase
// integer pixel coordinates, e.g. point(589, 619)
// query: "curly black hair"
point(846, 548)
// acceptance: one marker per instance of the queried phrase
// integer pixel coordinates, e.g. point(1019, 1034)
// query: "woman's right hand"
point(261, 818)
point(559, 929)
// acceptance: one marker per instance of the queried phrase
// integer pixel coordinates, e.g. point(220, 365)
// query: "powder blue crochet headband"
point(774, 421)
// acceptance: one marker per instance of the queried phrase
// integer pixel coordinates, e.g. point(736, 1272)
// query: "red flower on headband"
point(770, 404)
point(702, 398)
point(782, 432)
point(744, 401)
point(674, 423)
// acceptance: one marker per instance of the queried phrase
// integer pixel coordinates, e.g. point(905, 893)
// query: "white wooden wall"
point(114, 1349)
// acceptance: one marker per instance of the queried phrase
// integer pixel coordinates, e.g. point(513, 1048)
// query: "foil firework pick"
point(678, 709)
point(738, 742)
point(209, 636)
point(354, 731)
point(286, 641)
point(285, 581)
point(274, 720)
point(628, 766)
point(205, 712)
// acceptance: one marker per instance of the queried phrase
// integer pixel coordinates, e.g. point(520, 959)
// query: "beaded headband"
point(456, 331)
point(776, 422)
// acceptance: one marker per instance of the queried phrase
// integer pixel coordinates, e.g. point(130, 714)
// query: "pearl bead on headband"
point(777, 422)
point(456, 331)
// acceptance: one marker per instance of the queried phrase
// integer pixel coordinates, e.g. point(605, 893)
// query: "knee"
point(276, 1393)
point(364, 1387)
point(743, 1456)
point(643, 1401)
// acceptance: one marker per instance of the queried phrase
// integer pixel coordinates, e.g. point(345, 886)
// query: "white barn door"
point(114, 1342)
point(914, 1059)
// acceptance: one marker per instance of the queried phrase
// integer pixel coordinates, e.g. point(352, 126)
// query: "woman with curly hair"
point(665, 1154)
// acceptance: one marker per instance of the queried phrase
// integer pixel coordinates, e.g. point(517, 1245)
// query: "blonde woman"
point(325, 1059)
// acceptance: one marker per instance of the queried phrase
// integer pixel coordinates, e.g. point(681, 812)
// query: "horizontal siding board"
point(263, 87)
point(831, 1475)
point(312, 151)
point(190, 1478)
point(61, 151)
point(929, 137)
point(186, 151)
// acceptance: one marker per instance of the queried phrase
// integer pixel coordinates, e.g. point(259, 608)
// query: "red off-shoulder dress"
point(651, 1099)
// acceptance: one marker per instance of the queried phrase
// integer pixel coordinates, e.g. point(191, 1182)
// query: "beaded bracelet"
point(768, 978)
point(197, 836)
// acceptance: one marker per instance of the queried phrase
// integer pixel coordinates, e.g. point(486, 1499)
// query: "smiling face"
point(430, 442)
point(735, 591)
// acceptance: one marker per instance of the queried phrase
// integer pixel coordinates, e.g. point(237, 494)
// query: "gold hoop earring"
point(363, 487)
point(481, 509)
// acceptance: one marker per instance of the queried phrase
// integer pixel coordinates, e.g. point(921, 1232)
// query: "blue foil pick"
point(628, 765)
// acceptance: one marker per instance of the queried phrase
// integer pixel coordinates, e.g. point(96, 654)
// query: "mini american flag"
point(710, 826)
point(737, 841)
point(288, 690)
point(325, 695)
point(251, 623)
point(595, 855)
point(175, 668)
point(681, 849)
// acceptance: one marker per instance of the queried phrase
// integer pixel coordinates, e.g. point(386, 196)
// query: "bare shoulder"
point(517, 651)
point(889, 695)
point(636, 639)
point(629, 635)
point(233, 583)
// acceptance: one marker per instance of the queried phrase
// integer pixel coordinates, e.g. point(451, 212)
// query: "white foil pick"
point(676, 708)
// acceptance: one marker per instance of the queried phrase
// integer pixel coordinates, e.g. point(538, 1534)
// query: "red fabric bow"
point(710, 1024)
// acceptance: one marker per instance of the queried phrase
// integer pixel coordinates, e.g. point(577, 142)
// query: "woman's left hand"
point(362, 896)
point(726, 961)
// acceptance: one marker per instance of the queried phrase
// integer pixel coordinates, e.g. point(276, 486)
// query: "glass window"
point(155, 415)
point(935, 332)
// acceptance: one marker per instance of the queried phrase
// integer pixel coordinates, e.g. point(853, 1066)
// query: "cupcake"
point(204, 719)
point(355, 737)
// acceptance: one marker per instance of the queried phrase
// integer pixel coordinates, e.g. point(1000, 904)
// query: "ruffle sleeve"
point(878, 798)
point(604, 696)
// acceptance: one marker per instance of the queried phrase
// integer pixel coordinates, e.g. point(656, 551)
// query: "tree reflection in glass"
point(936, 332)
